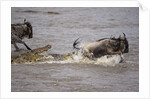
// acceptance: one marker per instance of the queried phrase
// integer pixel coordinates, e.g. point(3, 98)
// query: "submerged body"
point(32, 56)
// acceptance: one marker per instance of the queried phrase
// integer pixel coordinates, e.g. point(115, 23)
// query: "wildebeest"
point(106, 46)
point(19, 31)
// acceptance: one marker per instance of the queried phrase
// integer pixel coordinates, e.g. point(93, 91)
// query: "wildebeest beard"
point(126, 47)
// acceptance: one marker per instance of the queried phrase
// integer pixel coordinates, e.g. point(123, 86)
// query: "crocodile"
point(32, 56)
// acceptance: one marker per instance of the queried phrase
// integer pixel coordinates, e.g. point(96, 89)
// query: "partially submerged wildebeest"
point(19, 31)
point(106, 46)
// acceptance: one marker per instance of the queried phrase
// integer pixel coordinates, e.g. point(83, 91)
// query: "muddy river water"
point(59, 27)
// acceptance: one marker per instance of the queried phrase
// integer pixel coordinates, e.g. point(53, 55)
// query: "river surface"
point(60, 27)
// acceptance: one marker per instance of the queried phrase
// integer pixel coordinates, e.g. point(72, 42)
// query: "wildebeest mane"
point(108, 38)
point(102, 39)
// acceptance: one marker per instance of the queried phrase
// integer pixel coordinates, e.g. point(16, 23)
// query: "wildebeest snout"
point(29, 30)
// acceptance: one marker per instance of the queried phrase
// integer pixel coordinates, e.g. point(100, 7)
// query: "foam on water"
point(77, 57)
point(109, 60)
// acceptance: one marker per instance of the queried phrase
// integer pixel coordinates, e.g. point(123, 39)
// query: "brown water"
point(59, 27)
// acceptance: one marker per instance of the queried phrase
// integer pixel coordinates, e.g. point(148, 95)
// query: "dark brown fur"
point(19, 31)
point(106, 46)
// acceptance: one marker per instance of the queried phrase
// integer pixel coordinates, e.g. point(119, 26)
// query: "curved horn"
point(75, 43)
point(124, 34)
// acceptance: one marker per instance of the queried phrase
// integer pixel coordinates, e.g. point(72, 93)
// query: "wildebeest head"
point(124, 44)
point(28, 29)
point(119, 44)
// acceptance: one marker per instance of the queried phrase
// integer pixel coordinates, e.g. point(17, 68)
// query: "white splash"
point(109, 60)
point(77, 57)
